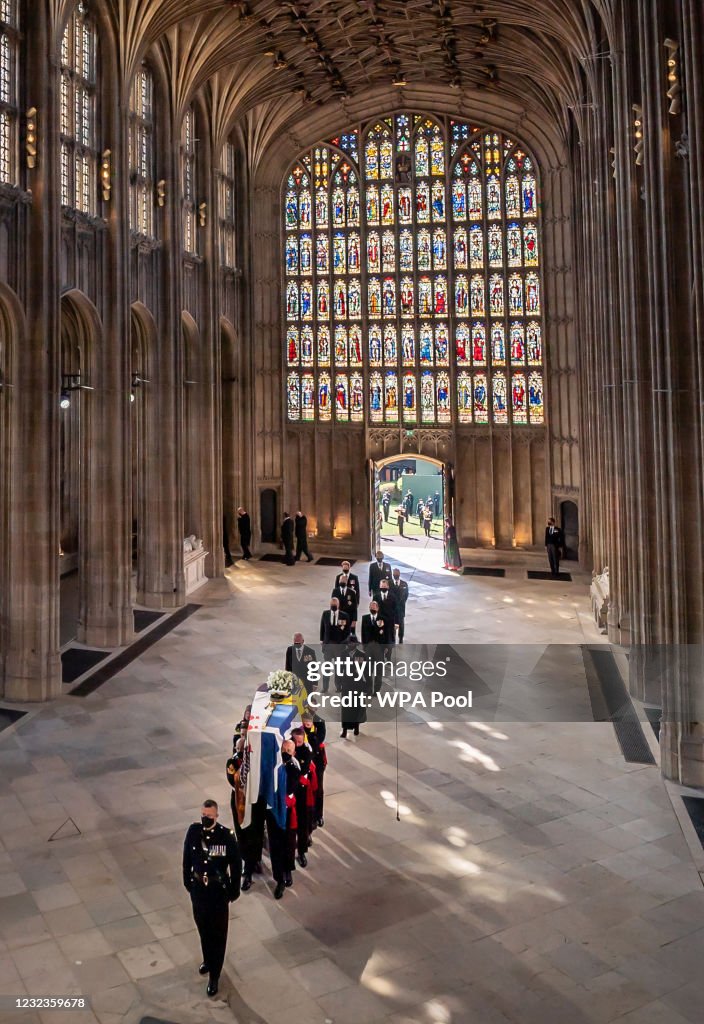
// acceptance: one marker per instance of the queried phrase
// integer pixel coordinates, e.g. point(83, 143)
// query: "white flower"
point(282, 682)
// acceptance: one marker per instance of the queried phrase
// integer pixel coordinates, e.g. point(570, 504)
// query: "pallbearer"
point(305, 793)
point(315, 737)
point(281, 820)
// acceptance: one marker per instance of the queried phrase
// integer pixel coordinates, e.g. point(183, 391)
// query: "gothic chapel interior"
point(250, 249)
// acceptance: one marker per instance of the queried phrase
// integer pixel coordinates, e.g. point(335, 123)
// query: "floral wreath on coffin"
point(281, 684)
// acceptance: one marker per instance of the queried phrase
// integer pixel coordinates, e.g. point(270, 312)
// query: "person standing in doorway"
point(301, 529)
point(399, 588)
point(226, 541)
point(244, 527)
point(287, 534)
point(211, 874)
point(427, 519)
point(554, 543)
point(378, 570)
point(385, 503)
point(400, 518)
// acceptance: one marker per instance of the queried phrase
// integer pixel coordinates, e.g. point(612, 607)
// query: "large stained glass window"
point(79, 157)
point(9, 52)
point(412, 278)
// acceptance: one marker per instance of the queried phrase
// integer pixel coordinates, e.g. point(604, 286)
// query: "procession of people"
point(276, 812)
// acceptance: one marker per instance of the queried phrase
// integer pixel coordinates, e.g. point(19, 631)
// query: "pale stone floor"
point(534, 877)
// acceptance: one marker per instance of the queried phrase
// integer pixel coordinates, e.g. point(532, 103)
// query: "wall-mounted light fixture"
point(202, 214)
point(71, 382)
point(638, 134)
point(674, 86)
point(137, 382)
point(106, 175)
point(32, 138)
point(161, 193)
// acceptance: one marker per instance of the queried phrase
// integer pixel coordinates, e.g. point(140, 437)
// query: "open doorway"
point(409, 509)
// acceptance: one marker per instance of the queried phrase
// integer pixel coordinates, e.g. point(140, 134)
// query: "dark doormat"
point(8, 717)
point(695, 809)
point(76, 661)
point(481, 570)
point(333, 561)
point(272, 558)
point(534, 574)
point(611, 702)
point(143, 619)
point(132, 652)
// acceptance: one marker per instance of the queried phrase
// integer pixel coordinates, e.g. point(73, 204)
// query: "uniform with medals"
point(211, 875)
point(315, 737)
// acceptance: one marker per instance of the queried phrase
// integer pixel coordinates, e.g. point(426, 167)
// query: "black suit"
point(554, 542)
point(287, 539)
point(245, 530)
point(400, 592)
point(334, 634)
point(352, 581)
point(379, 632)
point(298, 664)
point(388, 606)
point(348, 601)
point(377, 574)
point(302, 538)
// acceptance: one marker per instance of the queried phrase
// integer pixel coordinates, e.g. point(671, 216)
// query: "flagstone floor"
point(534, 877)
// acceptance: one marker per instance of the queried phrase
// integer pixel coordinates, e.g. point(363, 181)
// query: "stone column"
point(32, 663)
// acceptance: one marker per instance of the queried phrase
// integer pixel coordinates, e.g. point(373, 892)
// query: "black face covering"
point(207, 822)
point(285, 757)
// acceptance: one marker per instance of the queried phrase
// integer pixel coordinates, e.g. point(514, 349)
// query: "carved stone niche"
point(194, 563)
point(599, 593)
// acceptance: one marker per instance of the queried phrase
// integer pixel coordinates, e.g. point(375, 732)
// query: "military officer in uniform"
point(315, 737)
point(211, 874)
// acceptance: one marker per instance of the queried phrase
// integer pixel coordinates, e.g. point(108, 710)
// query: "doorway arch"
point(569, 521)
point(142, 347)
point(230, 429)
point(80, 338)
point(433, 489)
point(12, 334)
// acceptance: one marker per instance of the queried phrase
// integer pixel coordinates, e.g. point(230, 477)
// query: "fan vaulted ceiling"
point(283, 58)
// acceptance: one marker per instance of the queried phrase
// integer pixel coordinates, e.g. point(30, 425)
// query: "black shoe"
point(288, 881)
point(356, 730)
point(212, 989)
point(343, 734)
point(203, 969)
point(246, 883)
point(279, 890)
point(321, 822)
point(259, 868)
point(310, 840)
point(303, 860)
point(310, 559)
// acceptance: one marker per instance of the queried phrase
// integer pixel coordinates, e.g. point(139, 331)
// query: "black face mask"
point(207, 822)
point(286, 758)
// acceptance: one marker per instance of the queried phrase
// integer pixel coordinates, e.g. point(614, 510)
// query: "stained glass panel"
point(342, 398)
point(442, 392)
point(410, 412)
point(293, 396)
point(498, 390)
point(391, 397)
point(355, 345)
point(462, 350)
point(427, 396)
point(534, 345)
point(308, 397)
point(535, 398)
point(464, 398)
point(324, 403)
point(357, 398)
point(519, 412)
point(480, 402)
point(323, 344)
